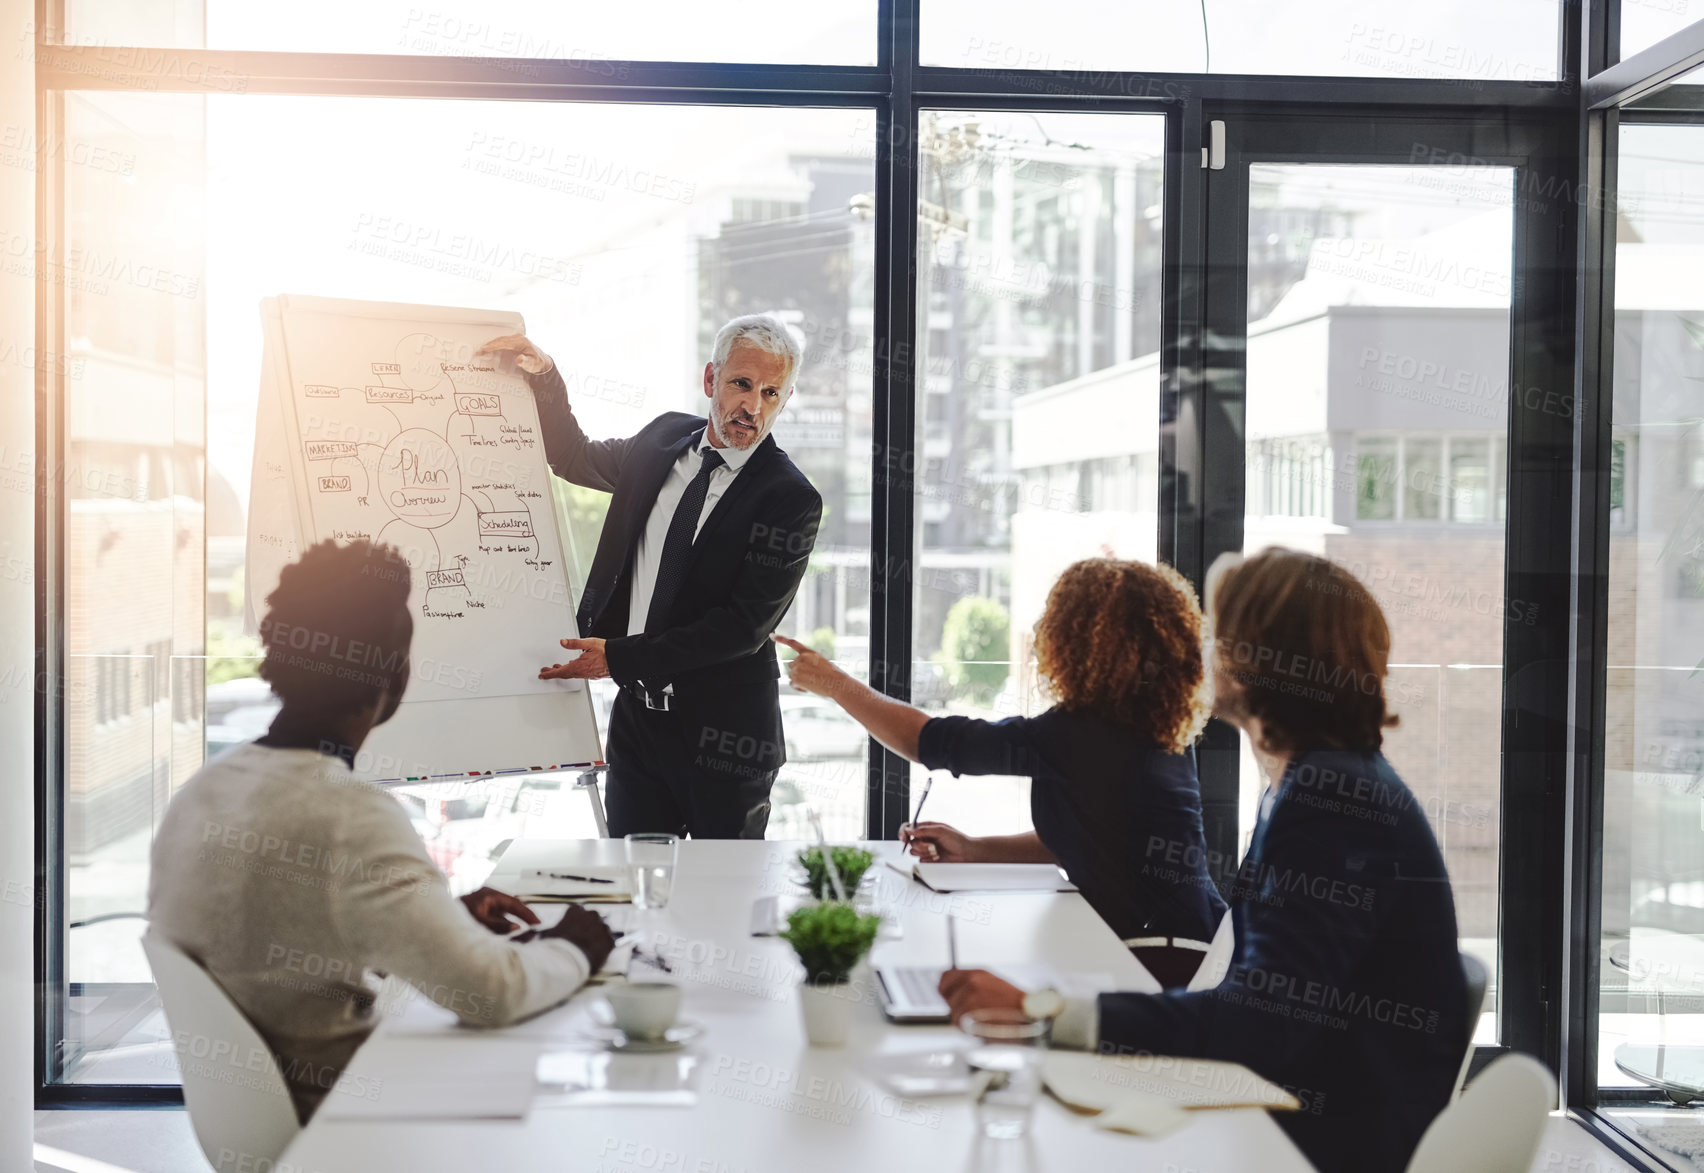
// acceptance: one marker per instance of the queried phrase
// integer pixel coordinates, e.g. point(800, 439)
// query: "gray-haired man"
point(708, 534)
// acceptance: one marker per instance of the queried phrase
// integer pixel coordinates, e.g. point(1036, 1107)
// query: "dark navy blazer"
point(1346, 984)
point(1122, 817)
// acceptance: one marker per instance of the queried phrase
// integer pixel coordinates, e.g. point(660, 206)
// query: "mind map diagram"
point(432, 456)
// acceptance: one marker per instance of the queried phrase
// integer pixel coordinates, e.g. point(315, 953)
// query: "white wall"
point(17, 612)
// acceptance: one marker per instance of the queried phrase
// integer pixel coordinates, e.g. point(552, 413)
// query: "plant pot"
point(827, 1010)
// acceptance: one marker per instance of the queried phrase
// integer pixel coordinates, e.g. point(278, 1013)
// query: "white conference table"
point(767, 1102)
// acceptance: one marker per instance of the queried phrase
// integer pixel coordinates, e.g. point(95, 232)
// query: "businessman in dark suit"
point(709, 531)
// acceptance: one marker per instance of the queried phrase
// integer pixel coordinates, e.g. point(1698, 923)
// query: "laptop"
point(910, 994)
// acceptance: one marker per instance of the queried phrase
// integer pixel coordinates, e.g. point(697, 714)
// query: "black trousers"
point(659, 780)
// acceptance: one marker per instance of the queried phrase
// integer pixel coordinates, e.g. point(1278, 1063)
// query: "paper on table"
point(1096, 1083)
point(987, 877)
point(1143, 1115)
point(414, 1078)
point(597, 1078)
point(507, 1097)
point(541, 885)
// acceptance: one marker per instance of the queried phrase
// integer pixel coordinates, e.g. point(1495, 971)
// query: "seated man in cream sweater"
point(291, 881)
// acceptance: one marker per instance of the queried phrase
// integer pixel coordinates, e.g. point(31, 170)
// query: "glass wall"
point(1513, 40)
point(1645, 22)
point(1039, 242)
point(131, 269)
point(597, 37)
point(1051, 309)
point(1652, 958)
point(1378, 407)
point(450, 203)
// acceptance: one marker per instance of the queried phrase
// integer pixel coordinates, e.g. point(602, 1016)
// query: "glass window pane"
point(1645, 22)
point(1380, 330)
point(1511, 41)
point(1375, 479)
point(1470, 480)
point(1039, 308)
point(129, 270)
point(829, 32)
point(405, 200)
point(1653, 836)
point(1422, 479)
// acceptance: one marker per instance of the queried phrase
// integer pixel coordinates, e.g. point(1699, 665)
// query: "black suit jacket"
point(746, 566)
point(1346, 984)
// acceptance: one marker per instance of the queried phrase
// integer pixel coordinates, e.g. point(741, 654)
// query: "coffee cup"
point(644, 1010)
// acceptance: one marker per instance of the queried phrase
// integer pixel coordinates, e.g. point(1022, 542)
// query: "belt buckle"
point(652, 704)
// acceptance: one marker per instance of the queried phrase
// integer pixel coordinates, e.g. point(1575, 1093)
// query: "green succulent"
point(850, 862)
point(830, 938)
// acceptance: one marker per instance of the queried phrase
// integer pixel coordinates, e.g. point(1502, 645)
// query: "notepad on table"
point(1101, 1083)
point(608, 885)
point(987, 877)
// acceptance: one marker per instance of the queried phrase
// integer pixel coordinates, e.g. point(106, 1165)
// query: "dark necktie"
point(677, 546)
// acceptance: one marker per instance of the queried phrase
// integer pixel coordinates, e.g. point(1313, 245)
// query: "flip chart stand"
point(588, 781)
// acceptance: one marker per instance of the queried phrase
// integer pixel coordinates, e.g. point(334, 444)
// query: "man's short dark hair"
point(337, 629)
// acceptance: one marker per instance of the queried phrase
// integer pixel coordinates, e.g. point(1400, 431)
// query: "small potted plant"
point(850, 862)
point(830, 939)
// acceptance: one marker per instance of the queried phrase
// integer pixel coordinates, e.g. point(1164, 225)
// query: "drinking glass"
point(1005, 1069)
point(652, 860)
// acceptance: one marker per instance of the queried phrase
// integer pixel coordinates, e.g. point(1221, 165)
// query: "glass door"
point(1364, 364)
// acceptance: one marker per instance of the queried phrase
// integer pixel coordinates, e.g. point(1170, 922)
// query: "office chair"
point(1496, 1125)
point(1478, 978)
point(1216, 962)
point(238, 1103)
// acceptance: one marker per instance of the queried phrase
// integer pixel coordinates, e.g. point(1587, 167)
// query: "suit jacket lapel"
point(648, 483)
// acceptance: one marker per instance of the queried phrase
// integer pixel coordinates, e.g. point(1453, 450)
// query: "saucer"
point(673, 1039)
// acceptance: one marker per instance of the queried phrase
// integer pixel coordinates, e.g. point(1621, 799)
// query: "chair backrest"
point(1217, 961)
point(1478, 978)
point(238, 1102)
point(1495, 1127)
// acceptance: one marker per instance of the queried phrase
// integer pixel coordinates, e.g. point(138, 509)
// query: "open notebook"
point(986, 877)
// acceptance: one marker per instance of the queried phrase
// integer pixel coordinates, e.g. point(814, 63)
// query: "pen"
point(952, 944)
point(928, 784)
point(571, 876)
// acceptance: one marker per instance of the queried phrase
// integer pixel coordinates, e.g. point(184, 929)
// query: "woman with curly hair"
point(1113, 791)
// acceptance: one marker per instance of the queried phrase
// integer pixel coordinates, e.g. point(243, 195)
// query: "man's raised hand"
point(518, 349)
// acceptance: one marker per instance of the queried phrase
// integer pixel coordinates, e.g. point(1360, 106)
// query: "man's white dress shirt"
point(650, 552)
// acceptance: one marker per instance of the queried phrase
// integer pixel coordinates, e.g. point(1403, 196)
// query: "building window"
point(188, 689)
point(159, 670)
point(1375, 479)
point(1446, 478)
point(1287, 477)
point(112, 687)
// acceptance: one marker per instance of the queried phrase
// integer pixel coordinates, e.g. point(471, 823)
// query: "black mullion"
point(1647, 70)
point(893, 417)
point(1594, 393)
point(1264, 89)
point(245, 71)
point(1180, 450)
point(1537, 582)
point(50, 928)
point(1218, 492)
